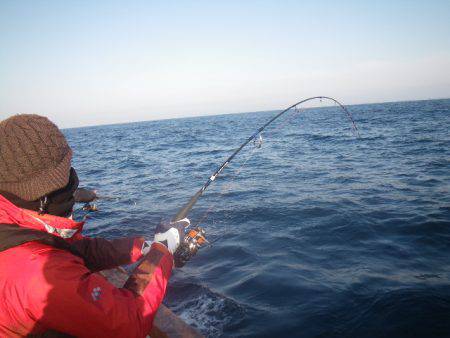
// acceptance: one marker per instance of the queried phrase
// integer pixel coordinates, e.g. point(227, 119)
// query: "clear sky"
point(97, 62)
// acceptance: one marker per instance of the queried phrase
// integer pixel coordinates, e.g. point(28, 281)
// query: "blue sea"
point(318, 233)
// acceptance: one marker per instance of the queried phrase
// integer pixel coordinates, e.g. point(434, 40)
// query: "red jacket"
point(46, 288)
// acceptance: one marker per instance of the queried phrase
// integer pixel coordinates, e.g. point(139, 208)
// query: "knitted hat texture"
point(34, 157)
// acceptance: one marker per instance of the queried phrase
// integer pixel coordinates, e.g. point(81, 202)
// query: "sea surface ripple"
point(316, 234)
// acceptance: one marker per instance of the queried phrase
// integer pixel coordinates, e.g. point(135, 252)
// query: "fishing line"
point(194, 239)
point(225, 189)
point(257, 144)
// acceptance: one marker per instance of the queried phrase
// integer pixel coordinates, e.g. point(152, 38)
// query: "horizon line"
point(247, 112)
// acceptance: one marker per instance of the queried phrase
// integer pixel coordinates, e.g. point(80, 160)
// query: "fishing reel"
point(90, 207)
point(192, 241)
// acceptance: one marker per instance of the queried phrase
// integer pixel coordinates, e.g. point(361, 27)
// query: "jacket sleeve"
point(84, 304)
point(101, 254)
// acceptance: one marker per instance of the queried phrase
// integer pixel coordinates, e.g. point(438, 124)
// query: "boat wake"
point(209, 312)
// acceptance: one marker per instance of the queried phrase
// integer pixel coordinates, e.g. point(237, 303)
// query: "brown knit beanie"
point(34, 157)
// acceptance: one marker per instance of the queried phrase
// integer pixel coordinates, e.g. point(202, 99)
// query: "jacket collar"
point(58, 226)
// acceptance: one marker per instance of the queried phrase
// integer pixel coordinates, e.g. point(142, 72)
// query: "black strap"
point(12, 235)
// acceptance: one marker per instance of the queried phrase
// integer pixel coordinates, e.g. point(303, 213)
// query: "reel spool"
point(193, 240)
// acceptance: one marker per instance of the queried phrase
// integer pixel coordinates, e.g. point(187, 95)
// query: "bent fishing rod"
point(195, 237)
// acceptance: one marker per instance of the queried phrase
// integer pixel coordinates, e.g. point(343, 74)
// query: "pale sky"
point(98, 62)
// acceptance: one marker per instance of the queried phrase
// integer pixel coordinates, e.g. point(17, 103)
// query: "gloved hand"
point(171, 234)
point(83, 195)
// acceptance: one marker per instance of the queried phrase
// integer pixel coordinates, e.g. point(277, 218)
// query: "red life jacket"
point(47, 281)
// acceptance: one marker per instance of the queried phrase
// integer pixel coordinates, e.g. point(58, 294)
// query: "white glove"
point(171, 234)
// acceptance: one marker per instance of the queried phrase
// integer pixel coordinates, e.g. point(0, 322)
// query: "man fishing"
point(49, 281)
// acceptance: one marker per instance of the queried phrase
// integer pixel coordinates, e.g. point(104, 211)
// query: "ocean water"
point(317, 233)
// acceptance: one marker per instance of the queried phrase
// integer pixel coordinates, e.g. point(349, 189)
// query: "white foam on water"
point(207, 313)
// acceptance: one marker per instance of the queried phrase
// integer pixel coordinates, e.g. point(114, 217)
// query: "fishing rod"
point(195, 237)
